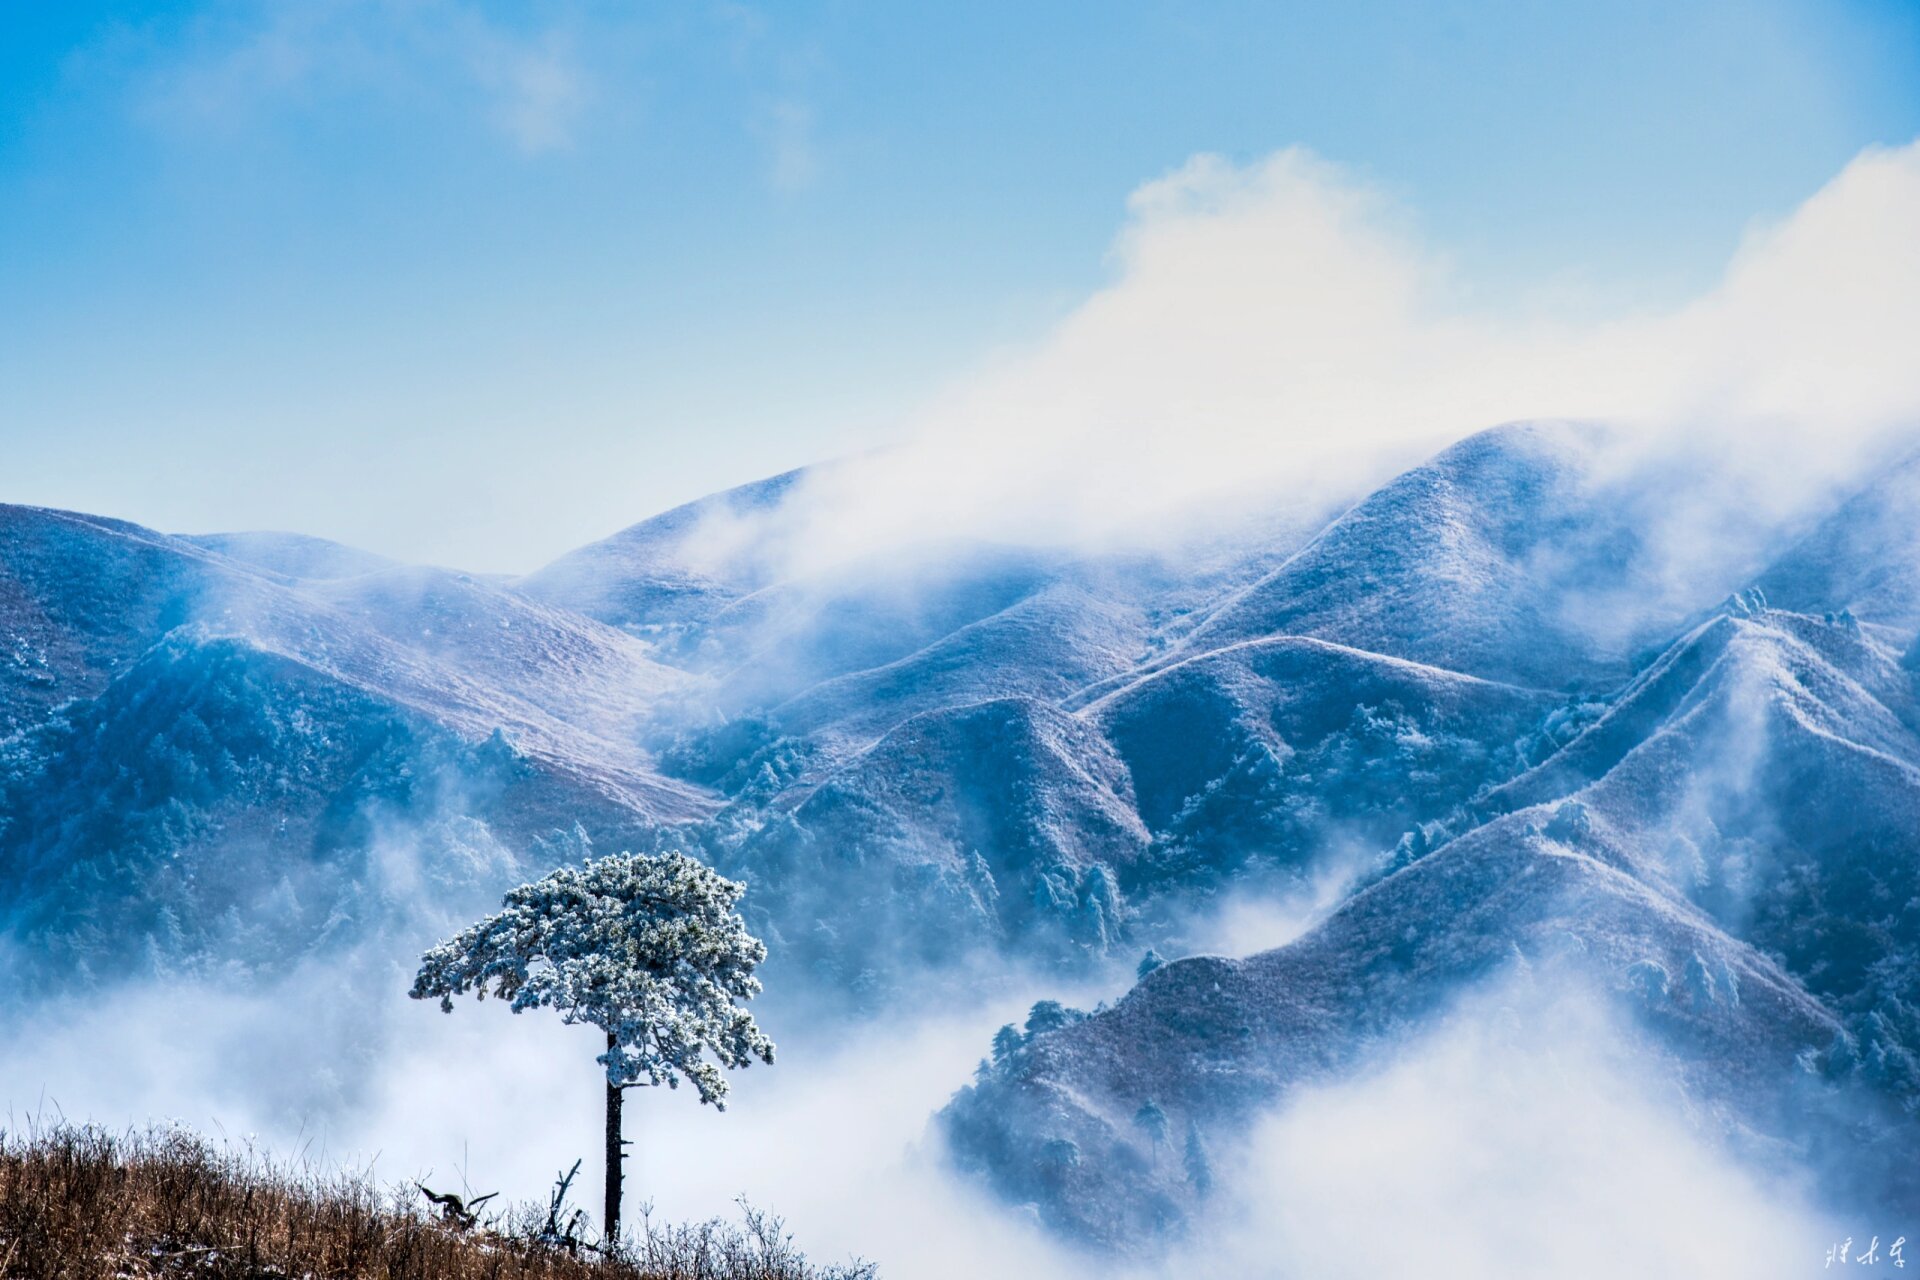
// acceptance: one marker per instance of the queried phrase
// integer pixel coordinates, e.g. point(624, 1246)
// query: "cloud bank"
point(1527, 1135)
point(1279, 329)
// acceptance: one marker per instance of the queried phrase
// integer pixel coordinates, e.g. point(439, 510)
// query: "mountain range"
point(1543, 729)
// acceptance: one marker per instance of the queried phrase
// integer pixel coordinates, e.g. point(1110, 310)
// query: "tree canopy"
point(647, 947)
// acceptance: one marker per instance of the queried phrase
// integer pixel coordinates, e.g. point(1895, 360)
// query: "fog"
point(1528, 1132)
point(834, 1137)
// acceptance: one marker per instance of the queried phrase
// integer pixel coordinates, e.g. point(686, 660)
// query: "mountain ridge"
point(1485, 698)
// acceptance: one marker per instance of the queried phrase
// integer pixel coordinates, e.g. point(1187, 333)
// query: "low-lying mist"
point(1529, 1133)
point(834, 1137)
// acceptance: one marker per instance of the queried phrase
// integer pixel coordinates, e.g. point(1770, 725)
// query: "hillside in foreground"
point(84, 1204)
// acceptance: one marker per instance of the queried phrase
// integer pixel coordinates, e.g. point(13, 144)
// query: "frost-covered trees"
point(1051, 1015)
point(1572, 823)
point(646, 947)
point(1199, 1168)
point(1387, 769)
point(1151, 1121)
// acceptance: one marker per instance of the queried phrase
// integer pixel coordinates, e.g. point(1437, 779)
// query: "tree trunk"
point(610, 1217)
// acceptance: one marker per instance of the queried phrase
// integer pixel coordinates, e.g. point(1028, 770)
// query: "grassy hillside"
point(84, 1204)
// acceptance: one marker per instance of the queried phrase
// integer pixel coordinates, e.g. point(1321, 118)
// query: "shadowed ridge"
point(1044, 645)
point(1181, 727)
point(1002, 825)
point(82, 596)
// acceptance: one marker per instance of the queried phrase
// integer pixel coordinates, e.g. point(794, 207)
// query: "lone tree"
point(646, 947)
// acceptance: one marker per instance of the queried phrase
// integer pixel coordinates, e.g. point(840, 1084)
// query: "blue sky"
point(474, 283)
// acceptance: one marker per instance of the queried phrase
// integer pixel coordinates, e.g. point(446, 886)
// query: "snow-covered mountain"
point(1477, 562)
point(674, 570)
point(189, 733)
point(1864, 558)
point(1561, 740)
point(1728, 846)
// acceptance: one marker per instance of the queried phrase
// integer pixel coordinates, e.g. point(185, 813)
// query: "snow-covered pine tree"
point(1199, 1168)
point(646, 947)
point(1050, 1015)
point(1152, 1122)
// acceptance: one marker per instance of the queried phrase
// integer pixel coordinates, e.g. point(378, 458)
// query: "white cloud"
point(1528, 1135)
point(1277, 327)
point(530, 87)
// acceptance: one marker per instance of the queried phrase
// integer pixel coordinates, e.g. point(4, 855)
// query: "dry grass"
point(83, 1204)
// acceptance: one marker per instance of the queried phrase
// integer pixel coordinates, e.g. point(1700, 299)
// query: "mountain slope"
point(1864, 558)
point(291, 555)
point(81, 597)
point(1770, 776)
point(1473, 562)
point(1333, 738)
point(223, 804)
point(1046, 646)
point(190, 731)
point(1729, 847)
point(1002, 825)
point(674, 570)
point(1214, 1042)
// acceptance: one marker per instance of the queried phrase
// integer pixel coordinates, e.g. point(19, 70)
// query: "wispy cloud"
point(531, 88)
point(539, 90)
point(784, 119)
